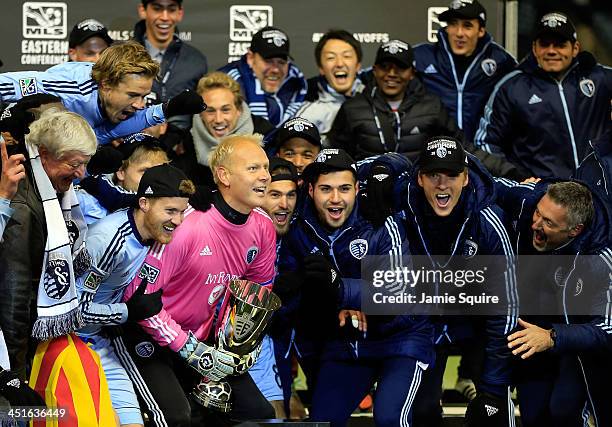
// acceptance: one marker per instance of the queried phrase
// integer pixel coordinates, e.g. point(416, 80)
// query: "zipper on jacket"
point(461, 86)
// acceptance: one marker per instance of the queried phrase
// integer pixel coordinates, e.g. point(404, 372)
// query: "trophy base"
point(213, 395)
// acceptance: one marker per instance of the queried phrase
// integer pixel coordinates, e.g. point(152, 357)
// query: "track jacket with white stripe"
point(117, 252)
point(346, 248)
point(542, 125)
point(72, 83)
point(275, 107)
point(584, 274)
point(480, 231)
point(464, 96)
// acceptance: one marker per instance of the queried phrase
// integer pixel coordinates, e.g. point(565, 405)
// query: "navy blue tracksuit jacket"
point(480, 232)
point(387, 336)
point(543, 126)
point(463, 95)
point(582, 284)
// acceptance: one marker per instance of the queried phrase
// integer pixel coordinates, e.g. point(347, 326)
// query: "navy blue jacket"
point(481, 232)
point(585, 302)
point(387, 336)
point(275, 107)
point(542, 125)
point(596, 168)
point(464, 97)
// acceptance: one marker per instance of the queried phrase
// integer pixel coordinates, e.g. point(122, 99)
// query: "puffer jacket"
point(22, 252)
point(365, 124)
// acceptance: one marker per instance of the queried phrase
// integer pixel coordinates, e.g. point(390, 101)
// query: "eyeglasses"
point(76, 165)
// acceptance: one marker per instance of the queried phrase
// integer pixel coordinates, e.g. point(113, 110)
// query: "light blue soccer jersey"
point(117, 252)
point(72, 83)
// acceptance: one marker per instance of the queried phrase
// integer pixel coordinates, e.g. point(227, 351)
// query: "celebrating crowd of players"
point(136, 185)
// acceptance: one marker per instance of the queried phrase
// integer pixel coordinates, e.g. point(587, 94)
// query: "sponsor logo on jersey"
point(206, 251)
point(215, 294)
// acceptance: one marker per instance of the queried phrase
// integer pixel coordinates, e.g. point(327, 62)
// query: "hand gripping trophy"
point(245, 312)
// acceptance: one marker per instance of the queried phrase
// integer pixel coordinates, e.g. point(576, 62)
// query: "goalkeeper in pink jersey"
point(168, 353)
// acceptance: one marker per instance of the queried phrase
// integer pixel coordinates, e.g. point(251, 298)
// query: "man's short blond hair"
point(219, 80)
point(221, 154)
point(62, 131)
point(121, 59)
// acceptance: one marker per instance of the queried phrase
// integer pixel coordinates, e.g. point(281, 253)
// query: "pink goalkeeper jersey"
point(194, 269)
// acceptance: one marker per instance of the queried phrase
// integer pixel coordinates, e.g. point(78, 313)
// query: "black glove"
point(173, 136)
point(202, 199)
point(487, 410)
point(377, 201)
point(286, 285)
point(142, 306)
point(17, 392)
point(106, 159)
point(184, 103)
point(321, 276)
point(17, 119)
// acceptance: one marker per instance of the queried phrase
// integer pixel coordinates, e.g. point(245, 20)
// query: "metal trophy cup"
point(245, 312)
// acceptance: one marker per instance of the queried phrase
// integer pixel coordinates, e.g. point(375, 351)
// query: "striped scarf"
point(58, 303)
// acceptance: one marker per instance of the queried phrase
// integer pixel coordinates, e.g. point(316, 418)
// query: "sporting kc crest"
point(358, 248)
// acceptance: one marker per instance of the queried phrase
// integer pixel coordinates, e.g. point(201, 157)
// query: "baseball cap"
point(464, 9)
point(396, 51)
point(329, 160)
point(442, 153)
point(556, 23)
point(87, 29)
point(298, 127)
point(132, 142)
point(279, 163)
point(270, 42)
point(162, 181)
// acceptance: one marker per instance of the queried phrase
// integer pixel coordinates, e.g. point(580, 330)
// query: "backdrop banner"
point(35, 36)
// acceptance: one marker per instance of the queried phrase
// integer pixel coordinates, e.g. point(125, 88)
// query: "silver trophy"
point(245, 312)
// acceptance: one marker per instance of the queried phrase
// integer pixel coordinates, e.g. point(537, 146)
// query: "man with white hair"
point(42, 245)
